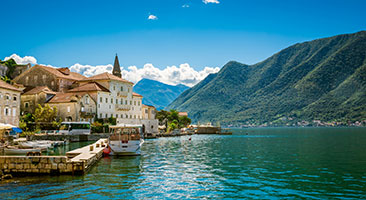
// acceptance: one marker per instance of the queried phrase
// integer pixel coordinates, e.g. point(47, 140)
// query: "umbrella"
point(17, 130)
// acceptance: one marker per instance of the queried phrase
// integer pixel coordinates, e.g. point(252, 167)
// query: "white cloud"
point(185, 6)
point(152, 17)
point(22, 60)
point(210, 1)
point(172, 75)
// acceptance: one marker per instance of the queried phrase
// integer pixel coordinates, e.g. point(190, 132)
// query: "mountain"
point(158, 94)
point(324, 79)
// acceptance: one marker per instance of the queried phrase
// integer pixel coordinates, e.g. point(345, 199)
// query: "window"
point(86, 100)
point(134, 103)
point(101, 116)
point(111, 115)
point(35, 78)
point(6, 111)
point(100, 99)
point(128, 89)
point(126, 102)
point(106, 100)
point(121, 101)
point(111, 100)
point(121, 88)
point(82, 109)
point(14, 98)
point(139, 103)
point(52, 83)
point(26, 80)
point(146, 111)
point(116, 115)
point(7, 97)
point(106, 115)
point(14, 112)
point(114, 87)
point(26, 104)
point(131, 103)
point(68, 108)
point(98, 105)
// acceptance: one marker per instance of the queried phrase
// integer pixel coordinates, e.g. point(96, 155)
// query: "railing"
point(123, 107)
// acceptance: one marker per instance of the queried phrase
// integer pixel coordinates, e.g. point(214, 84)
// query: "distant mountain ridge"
point(324, 79)
point(158, 94)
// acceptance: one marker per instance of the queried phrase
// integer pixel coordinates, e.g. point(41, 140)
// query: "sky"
point(173, 41)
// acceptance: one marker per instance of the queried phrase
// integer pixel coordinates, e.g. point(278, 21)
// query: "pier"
point(77, 161)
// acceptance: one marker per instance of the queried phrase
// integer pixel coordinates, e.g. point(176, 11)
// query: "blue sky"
point(62, 33)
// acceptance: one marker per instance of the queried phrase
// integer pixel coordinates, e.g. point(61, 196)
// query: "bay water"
point(258, 163)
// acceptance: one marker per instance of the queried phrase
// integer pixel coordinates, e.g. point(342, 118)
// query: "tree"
point(46, 117)
point(184, 121)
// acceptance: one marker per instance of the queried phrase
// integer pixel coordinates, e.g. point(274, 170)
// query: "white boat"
point(10, 150)
point(42, 144)
point(125, 140)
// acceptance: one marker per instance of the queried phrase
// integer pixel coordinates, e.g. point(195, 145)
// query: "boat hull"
point(131, 148)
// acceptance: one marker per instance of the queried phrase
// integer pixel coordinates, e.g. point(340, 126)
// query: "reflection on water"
point(252, 163)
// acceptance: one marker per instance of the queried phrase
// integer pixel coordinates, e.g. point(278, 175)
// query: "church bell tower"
point(116, 68)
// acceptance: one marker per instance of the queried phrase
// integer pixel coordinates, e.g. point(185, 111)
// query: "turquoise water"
point(270, 163)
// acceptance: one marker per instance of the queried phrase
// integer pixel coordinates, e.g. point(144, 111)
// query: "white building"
point(9, 103)
point(115, 98)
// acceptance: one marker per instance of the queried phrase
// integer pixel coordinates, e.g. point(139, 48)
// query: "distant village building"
point(74, 106)
point(9, 103)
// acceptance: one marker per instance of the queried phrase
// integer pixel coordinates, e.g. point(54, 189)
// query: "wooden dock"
point(88, 154)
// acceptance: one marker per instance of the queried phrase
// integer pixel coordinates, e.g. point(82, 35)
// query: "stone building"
point(74, 106)
point(31, 98)
point(3, 69)
point(56, 79)
point(9, 104)
point(19, 69)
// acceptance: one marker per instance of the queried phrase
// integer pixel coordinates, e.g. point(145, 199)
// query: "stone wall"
point(40, 165)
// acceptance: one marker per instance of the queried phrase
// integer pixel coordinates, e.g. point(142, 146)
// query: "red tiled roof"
point(135, 94)
point(106, 76)
point(6, 85)
point(62, 73)
point(39, 89)
point(88, 87)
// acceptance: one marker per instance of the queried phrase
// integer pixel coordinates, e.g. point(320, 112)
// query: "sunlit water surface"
point(268, 163)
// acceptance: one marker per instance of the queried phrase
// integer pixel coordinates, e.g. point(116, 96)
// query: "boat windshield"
point(124, 134)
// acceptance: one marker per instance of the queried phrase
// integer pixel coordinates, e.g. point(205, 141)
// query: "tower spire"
point(116, 68)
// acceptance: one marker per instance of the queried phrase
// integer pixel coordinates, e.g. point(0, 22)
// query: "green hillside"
point(323, 80)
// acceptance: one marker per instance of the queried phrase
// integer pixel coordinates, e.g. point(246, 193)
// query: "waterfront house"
point(9, 103)
point(31, 98)
point(74, 106)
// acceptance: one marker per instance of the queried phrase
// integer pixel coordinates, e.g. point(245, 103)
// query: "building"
point(3, 69)
point(31, 98)
point(56, 79)
point(19, 69)
point(74, 106)
point(9, 104)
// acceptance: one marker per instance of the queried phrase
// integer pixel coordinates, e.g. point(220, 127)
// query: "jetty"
point(77, 161)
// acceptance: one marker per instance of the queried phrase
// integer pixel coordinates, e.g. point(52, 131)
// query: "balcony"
point(123, 107)
point(122, 94)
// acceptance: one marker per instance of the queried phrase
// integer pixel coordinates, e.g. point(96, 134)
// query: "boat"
point(41, 144)
point(125, 139)
point(12, 150)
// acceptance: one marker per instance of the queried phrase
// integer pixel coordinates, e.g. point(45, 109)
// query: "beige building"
point(31, 98)
point(74, 106)
point(56, 79)
point(9, 104)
